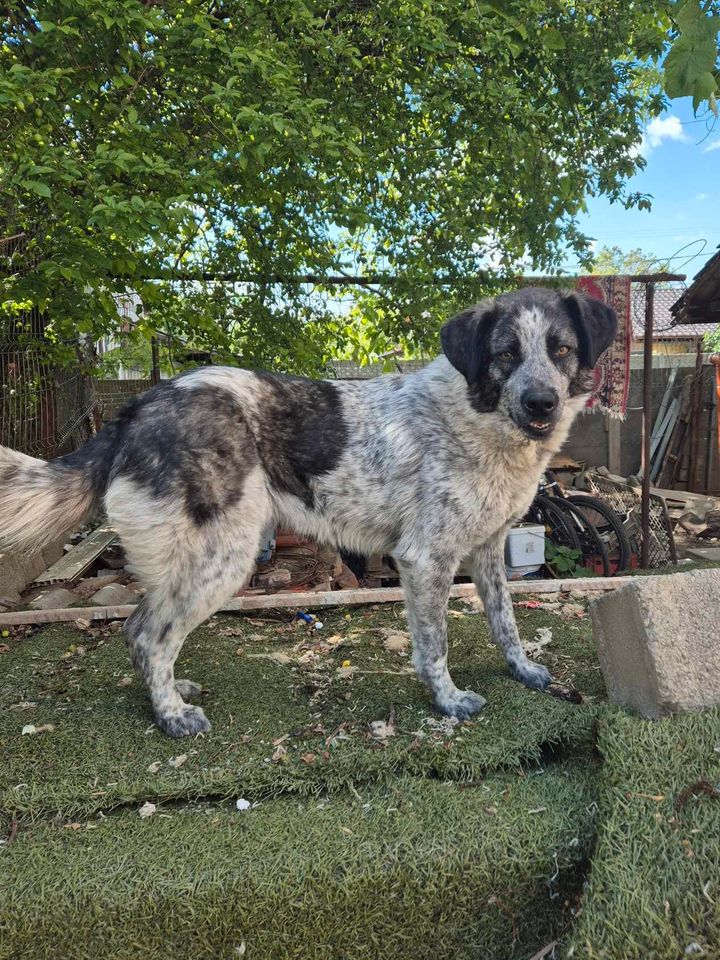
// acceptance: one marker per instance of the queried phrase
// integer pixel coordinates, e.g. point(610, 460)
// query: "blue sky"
point(683, 177)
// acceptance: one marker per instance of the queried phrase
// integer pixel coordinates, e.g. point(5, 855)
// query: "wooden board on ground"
point(76, 561)
point(311, 601)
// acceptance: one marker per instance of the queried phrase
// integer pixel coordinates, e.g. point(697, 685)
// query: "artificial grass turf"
point(416, 869)
point(460, 868)
point(654, 887)
point(98, 754)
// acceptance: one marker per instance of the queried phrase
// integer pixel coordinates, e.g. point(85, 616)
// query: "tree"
point(614, 260)
point(150, 144)
point(691, 67)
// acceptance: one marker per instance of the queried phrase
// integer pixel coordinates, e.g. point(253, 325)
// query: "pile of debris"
point(293, 563)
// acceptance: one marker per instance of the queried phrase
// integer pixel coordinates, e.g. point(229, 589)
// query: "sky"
point(683, 177)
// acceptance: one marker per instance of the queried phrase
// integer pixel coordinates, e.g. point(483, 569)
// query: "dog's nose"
point(539, 403)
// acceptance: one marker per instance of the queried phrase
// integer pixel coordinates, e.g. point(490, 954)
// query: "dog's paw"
point(188, 722)
point(462, 704)
point(187, 689)
point(533, 675)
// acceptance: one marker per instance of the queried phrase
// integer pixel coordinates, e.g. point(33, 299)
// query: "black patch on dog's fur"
point(190, 443)
point(465, 342)
point(301, 432)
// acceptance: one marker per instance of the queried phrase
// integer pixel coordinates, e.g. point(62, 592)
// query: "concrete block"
point(658, 640)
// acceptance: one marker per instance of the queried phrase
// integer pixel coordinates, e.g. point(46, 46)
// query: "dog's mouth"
point(536, 429)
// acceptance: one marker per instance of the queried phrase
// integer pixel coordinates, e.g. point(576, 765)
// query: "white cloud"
point(701, 196)
point(713, 146)
point(658, 130)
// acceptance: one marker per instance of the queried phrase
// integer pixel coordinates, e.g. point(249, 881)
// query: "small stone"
point(273, 578)
point(56, 598)
point(113, 595)
point(147, 810)
point(346, 579)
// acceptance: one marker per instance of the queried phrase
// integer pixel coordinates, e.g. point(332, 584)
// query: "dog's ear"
point(595, 325)
point(464, 339)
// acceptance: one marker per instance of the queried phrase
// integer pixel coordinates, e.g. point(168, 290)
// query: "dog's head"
point(526, 354)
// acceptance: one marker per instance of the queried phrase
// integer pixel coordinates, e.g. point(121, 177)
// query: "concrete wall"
point(598, 441)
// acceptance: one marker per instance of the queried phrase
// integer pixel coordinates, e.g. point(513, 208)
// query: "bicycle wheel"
point(609, 526)
point(594, 550)
point(558, 527)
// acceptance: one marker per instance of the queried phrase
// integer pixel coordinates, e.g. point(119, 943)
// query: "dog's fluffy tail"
point(40, 501)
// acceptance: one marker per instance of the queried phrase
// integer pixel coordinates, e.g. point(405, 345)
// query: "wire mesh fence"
point(45, 410)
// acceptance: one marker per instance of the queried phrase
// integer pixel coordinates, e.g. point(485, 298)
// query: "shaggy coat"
point(430, 468)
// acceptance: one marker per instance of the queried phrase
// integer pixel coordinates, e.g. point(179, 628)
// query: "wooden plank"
point(312, 601)
point(76, 561)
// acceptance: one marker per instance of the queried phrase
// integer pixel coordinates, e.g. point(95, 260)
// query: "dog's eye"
point(506, 355)
point(562, 351)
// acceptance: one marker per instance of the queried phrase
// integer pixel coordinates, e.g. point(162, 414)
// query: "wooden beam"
point(76, 561)
point(314, 601)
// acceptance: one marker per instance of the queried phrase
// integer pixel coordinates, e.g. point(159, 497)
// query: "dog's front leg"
point(490, 580)
point(427, 588)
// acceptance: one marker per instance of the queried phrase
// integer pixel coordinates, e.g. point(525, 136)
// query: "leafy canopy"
point(271, 140)
point(692, 65)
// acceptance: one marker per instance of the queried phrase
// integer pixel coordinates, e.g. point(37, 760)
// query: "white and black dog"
point(430, 468)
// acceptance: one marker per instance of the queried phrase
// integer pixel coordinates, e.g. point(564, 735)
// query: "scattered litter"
point(693, 948)
point(543, 637)
point(147, 810)
point(277, 656)
point(473, 604)
point(155, 766)
point(240, 951)
point(382, 730)
point(177, 762)
point(279, 754)
point(308, 757)
point(346, 670)
point(124, 681)
point(30, 729)
point(561, 692)
point(538, 810)
point(444, 725)
point(242, 804)
point(396, 641)
point(309, 619)
point(574, 610)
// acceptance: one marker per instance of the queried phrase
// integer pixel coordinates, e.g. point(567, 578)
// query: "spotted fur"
point(431, 468)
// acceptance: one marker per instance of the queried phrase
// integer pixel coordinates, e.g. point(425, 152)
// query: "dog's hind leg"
point(488, 569)
point(188, 571)
point(427, 589)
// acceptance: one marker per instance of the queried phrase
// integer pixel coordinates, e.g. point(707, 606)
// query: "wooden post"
point(647, 422)
point(155, 371)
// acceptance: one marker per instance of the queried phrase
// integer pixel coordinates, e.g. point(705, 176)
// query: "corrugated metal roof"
point(664, 325)
point(704, 289)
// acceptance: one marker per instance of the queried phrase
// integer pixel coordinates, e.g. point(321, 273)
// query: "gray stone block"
point(658, 640)
point(54, 598)
point(113, 595)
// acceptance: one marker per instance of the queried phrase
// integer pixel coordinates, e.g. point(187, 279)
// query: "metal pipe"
point(647, 423)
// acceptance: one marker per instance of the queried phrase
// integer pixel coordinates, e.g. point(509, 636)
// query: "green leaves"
point(691, 66)
point(419, 141)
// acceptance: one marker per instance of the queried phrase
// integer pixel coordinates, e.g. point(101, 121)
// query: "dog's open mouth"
point(537, 429)
point(540, 426)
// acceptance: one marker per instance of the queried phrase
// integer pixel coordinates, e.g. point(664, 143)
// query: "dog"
point(431, 468)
